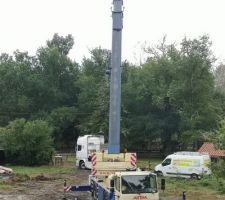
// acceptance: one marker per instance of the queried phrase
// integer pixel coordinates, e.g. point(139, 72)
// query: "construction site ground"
point(49, 186)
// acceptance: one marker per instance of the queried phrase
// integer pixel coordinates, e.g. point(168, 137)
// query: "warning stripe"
point(93, 161)
point(94, 171)
point(133, 159)
point(67, 189)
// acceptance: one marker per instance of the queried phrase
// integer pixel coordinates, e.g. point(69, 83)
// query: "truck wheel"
point(95, 194)
point(82, 165)
point(194, 176)
point(105, 195)
point(159, 173)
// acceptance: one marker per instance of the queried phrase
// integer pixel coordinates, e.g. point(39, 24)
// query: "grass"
point(195, 189)
point(22, 172)
point(4, 185)
point(206, 188)
point(148, 163)
point(31, 171)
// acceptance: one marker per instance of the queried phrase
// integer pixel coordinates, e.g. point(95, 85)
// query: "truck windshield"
point(138, 184)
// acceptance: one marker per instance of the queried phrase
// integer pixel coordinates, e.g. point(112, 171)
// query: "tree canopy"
point(170, 102)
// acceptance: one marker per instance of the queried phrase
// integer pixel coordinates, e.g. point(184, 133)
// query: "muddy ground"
point(50, 187)
point(45, 187)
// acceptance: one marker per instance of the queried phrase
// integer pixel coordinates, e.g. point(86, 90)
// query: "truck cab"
point(84, 148)
point(135, 185)
point(127, 185)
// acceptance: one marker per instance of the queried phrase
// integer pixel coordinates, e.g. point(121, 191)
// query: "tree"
point(15, 81)
point(93, 100)
point(28, 142)
point(58, 73)
point(147, 112)
point(219, 78)
point(173, 99)
point(193, 89)
point(64, 121)
point(62, 44)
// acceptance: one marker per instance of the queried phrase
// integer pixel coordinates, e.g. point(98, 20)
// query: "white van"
point(85, 146)
point(185, 164)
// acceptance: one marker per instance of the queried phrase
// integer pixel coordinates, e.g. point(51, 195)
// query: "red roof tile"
point(211, 150)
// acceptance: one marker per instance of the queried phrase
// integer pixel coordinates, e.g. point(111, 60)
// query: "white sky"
point(27, 24)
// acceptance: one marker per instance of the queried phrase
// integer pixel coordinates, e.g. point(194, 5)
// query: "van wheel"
point(82, 165)
point(159, 173)
point(194, 176)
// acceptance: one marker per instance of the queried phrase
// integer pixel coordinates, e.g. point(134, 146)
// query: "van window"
point(79, 147)
point(166, 162)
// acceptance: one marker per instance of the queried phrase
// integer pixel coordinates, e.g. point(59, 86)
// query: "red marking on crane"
point(133, 159)
point(67, 188)
point(94, 171)
point(93, 159)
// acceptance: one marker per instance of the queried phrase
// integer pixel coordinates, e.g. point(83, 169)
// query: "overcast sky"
point(27, 24)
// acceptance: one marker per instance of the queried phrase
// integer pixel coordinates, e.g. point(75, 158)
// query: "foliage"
point(169, 102)
point(219, 169)
point(58, 75)
point(94, 93)
point(219, 74)
point(221, 136)
point(28, 142)
point(173, 98)
point(64, 122)
point(62, 44)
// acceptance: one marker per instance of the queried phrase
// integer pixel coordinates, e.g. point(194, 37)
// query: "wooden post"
point(58, 160)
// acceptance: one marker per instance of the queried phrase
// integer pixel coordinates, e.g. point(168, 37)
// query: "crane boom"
point(115, 79)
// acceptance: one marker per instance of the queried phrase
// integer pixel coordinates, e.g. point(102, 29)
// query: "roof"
point(211, 150)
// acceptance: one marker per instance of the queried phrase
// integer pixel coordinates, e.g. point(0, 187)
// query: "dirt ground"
point(45, 187)
point(50, 187)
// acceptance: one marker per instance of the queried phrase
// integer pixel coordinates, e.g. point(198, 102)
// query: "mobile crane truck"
point(114, 175)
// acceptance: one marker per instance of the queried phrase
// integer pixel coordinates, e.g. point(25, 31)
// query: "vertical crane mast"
point(115, 80)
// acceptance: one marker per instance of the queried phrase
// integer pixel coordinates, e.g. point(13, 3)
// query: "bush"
point(221, 185)
point(28, 142)
point(218, 169)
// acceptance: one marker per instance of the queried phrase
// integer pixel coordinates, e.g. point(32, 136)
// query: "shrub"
point(218, 169)
point(28, 142)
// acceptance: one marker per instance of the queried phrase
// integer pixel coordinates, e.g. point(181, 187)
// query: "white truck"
point(84, 148)
point(185, 164)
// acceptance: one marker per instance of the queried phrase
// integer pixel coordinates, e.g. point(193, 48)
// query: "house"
point(214, 153)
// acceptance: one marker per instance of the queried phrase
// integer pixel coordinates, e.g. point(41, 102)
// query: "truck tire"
point(105, 195)
point(194, 176)
point(82, 165)
point(95, 193)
